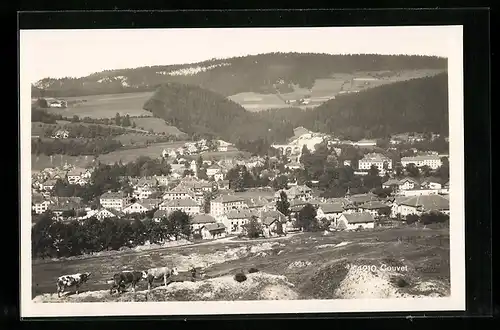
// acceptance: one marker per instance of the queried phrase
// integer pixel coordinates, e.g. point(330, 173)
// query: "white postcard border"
point(456, 301)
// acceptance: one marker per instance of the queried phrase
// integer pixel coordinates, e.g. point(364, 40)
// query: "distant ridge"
point(263, 73)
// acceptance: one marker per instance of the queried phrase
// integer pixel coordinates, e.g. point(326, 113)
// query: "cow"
point(158, 273)
point(128, 277)
point(68, 281)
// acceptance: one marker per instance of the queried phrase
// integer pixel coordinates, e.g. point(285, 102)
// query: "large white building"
point(225, 203)
point(376, 159)
point(433, 161)
point(113, 200)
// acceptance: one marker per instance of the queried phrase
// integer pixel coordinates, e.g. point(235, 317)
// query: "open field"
point(128, 155)
point(106, 106)
point(40, 162)
point(327, 88)
point(157, 125)
point(298, 266)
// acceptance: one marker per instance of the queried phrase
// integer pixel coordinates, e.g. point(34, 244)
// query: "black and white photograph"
point(241, 170)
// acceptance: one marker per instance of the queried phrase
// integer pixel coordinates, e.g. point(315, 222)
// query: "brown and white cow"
point(159, 273)
point(120, 280)
point(68, 281)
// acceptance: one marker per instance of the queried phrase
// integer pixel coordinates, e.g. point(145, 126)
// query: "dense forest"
point(196, 110)
point(417, 105)
point(263, 73)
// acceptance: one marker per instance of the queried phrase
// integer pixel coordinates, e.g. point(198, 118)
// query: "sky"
point(78, 53)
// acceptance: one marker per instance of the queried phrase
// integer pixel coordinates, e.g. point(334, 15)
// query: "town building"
point(375, 159)
point(113, 200)
point(354, 221)
point(433, 161)
point(225, 203)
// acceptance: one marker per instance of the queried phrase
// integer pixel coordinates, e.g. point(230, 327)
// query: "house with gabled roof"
point(374, 208)
point(137, 207)
point(213, 231)
point(423, 204)
point(329, 211)
point(159, 214)
point(104, 213)
point(236, 219)
point(200, 220)
point(354, 221)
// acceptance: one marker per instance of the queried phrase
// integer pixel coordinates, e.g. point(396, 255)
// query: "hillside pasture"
point(105, 106)
point(256, 102)
point(129, 155)
point(327, 88)
point(303, 265)
point(40, 162)
point(158, 125)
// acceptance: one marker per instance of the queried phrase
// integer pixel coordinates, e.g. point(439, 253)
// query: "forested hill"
point(415, 105)
point(195, 110)
point(262, 73)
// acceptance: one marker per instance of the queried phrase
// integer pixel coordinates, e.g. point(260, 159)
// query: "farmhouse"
point(159, 214)
point(213, 170)
point(353, 221)
point(201, 220)
point(270, 227)
point(422, 204)
point(213, 231)
point(296, 192)
point(108, 213)
point(329, 211)
point(39, 204)
point(74, 175)
point(136, 207)
point(375, 208)
point(48, 185)
point(234, 220)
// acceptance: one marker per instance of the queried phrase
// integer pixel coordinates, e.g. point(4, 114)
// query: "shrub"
point(253, 270)
point(240, 277)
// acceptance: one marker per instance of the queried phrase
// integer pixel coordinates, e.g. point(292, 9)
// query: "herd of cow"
point(122, 279)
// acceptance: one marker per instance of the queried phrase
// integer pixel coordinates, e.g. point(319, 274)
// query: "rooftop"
point(359, 217)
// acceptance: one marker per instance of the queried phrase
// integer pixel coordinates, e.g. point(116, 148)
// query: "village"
point(218, 206)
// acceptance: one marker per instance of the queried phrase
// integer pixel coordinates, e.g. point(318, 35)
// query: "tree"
point(280, 182)
point(307, 218)
point(118, 121)
point(412, 218)
point(207, 198)
point(179, 224)
point(412, 170)
point(373, 171)
point(282, 204)
point(253, 228)
point(426, 171)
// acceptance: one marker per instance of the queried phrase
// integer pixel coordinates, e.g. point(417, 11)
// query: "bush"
point(253, 270)
point(240, 277)
point(55, 239)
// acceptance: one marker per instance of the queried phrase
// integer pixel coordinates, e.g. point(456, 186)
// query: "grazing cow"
point(68, 281)
point(158, 273)
point(124, 278)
